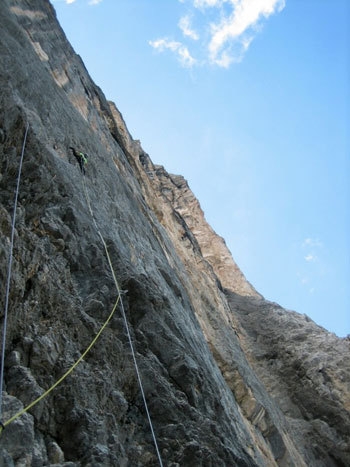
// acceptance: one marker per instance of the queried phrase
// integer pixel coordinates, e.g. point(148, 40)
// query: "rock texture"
point(230, 378)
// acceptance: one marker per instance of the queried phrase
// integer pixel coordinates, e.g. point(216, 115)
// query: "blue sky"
point(249, 100)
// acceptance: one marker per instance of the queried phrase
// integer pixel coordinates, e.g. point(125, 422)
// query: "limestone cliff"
point(229, 378)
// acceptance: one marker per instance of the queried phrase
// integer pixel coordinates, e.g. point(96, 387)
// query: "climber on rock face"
point(81, 158)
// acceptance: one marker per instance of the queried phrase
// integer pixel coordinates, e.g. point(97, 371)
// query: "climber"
point(81, 158)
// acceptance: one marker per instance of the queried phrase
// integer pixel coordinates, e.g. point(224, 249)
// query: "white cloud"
point(184, 25)
point(312, 243)
point(232, 29)
point(207, 3)
point(177, 47)
point(307, 283)
point(226, 59)
point(224, 30)
point(310, 258)
point(90, 2)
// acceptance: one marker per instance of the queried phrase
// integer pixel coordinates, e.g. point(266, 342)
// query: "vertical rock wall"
point(224, 384)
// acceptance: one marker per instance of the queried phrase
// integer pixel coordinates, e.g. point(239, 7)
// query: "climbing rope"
point(126, 327)
point(4, 331)
point(71, 369)
point(46, 393)
point(68, 372)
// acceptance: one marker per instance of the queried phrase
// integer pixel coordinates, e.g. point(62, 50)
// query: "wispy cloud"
point(306, 282)
point(312, 243)
point(207, 3)
point(177, 47)
point(185, 26)
point(225, 29)
point(313, 268)
point(90, 2)
point(310, 258)
point(239, 28)
point(312, 247)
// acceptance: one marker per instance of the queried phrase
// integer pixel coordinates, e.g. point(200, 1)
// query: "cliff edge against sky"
point(229, 378)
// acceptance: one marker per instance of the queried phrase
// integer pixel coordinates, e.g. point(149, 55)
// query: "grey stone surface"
point(230, 379)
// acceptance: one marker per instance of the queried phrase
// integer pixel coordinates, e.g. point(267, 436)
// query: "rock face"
point(229, 378)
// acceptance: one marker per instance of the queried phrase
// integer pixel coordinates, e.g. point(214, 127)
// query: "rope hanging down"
point(46, 393)
point(4, 332)
point(126, 327)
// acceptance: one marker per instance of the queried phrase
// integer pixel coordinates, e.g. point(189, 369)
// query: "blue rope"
point(9, 273)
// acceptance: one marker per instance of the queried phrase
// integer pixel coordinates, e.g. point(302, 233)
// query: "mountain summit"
point(123, 294)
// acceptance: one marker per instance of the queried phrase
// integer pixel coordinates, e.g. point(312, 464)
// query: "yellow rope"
point(46, 393)
point(21, 412)
point(127, 330)
point(102, 239)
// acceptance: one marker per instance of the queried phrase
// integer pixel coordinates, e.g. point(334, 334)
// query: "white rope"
point(140, 384)
point(9, 272)
point(126, 327)
point(115, 281)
